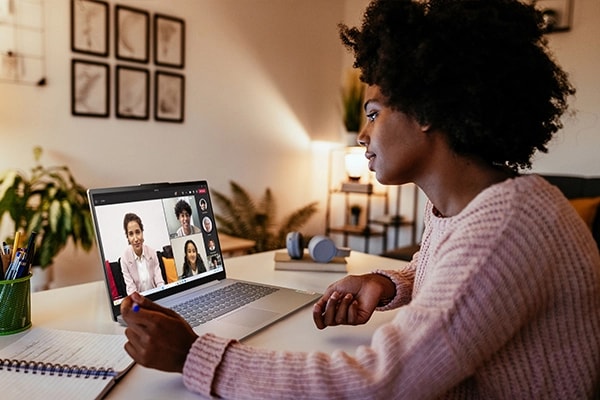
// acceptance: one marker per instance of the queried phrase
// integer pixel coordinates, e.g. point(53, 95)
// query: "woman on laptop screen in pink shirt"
point(139, 262)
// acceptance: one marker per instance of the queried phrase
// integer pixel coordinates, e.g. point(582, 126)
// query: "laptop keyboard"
point(209, 306)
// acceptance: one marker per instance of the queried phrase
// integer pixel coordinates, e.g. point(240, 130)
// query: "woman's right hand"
point(352, 300)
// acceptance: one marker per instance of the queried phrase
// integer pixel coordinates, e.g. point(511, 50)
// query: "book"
point(356, 187)
point(283, 261)
point(59, 364)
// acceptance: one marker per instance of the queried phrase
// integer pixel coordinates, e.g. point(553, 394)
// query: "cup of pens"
point(15, 305)
point(15, 287)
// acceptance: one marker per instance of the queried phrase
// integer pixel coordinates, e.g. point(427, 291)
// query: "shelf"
point(391, 220)
point(358, 230)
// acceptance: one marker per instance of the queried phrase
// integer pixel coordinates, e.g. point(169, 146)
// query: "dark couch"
point(574, 187)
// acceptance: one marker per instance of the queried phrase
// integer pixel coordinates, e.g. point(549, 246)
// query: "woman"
point(139, 262)
point(192, 262)
point(503, 299)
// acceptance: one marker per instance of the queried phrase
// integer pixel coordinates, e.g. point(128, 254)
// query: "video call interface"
point(163, 232)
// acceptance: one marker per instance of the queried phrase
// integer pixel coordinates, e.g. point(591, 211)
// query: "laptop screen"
point(177, 232)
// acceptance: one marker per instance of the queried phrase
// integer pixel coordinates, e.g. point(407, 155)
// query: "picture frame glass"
point(90, 89)
point(132, 34)
point(169, 97)
point(89, 30)
point(169, 39)
point(132, 93)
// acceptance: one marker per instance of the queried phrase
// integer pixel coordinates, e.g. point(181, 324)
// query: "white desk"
point(85, 308)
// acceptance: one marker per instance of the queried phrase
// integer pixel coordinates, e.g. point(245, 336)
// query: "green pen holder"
point(15, 305)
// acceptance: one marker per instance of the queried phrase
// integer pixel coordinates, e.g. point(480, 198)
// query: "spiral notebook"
point(57, 364)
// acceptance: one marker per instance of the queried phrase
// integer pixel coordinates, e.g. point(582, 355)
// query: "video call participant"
point(139, 263)
point(183, 211)
point(192, 262)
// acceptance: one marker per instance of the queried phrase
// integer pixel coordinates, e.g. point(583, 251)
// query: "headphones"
point(321, 248)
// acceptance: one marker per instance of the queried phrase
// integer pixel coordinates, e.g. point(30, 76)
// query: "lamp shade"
point(356, 163)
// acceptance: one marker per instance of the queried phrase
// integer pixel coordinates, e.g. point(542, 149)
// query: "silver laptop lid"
point(157, 206)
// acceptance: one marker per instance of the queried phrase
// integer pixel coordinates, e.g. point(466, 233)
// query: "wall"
point(262, 85)
point(575, 149)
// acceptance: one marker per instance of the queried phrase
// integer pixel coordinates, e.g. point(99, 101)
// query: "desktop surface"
point(85, 307)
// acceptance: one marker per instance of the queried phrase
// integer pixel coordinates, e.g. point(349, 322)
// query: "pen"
point(13, 269)
point(29, 251)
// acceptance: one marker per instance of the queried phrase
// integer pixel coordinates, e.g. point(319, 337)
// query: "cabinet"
point(381, 216)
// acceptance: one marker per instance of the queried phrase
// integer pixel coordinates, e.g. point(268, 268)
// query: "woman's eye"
point(372, 115)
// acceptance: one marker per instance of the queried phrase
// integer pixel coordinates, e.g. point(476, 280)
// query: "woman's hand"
point(158, 337)
point(352, 300)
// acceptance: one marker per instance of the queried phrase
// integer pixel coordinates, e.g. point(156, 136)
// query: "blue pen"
point(13, 268)
point(23, 267)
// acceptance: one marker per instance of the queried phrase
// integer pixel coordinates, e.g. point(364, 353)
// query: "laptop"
point(164, 234)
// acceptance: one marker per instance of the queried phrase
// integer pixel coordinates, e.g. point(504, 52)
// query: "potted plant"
point(243, 217)
point(352, 105)
point(355, 211)
point(50, 202)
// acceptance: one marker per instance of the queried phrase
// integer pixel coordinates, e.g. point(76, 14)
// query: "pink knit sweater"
point(502, 302)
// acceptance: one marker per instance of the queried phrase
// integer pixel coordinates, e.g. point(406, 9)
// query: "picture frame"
point(132, 94)
point(90, 88)
point(169, 96)
point(89, 27)
point(132, 34)
point(557, 15)
point(169, 41)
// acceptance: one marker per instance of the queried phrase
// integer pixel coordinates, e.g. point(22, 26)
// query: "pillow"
point(587, 208)
point(170, 270)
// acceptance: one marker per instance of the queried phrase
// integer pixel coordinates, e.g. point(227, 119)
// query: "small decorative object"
point(168, 96)
point(132, 34)
point(90, 88)
point(355, 211)
point(133, 86)
point(245, 218)
point(89, 27)
point(556, 14)
point(169, 41)
point(49, 202)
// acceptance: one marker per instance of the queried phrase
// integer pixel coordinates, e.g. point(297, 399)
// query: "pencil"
point(16, 245)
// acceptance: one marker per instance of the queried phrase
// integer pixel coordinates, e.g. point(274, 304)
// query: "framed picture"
point(169, 41)
point(168, 96)
point(90, 82)
point(132, 94)
point(89, 27)
point(132, 34)
point(556, 14)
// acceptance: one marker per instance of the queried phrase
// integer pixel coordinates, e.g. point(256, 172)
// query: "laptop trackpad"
point(250, 317)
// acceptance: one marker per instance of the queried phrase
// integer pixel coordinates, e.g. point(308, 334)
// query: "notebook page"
point(70, 348)
point(18, 385)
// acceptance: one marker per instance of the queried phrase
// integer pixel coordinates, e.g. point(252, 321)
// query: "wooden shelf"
point(391, 220)
point(358, 230)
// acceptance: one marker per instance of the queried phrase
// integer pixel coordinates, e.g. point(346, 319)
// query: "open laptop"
point(155, 205)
